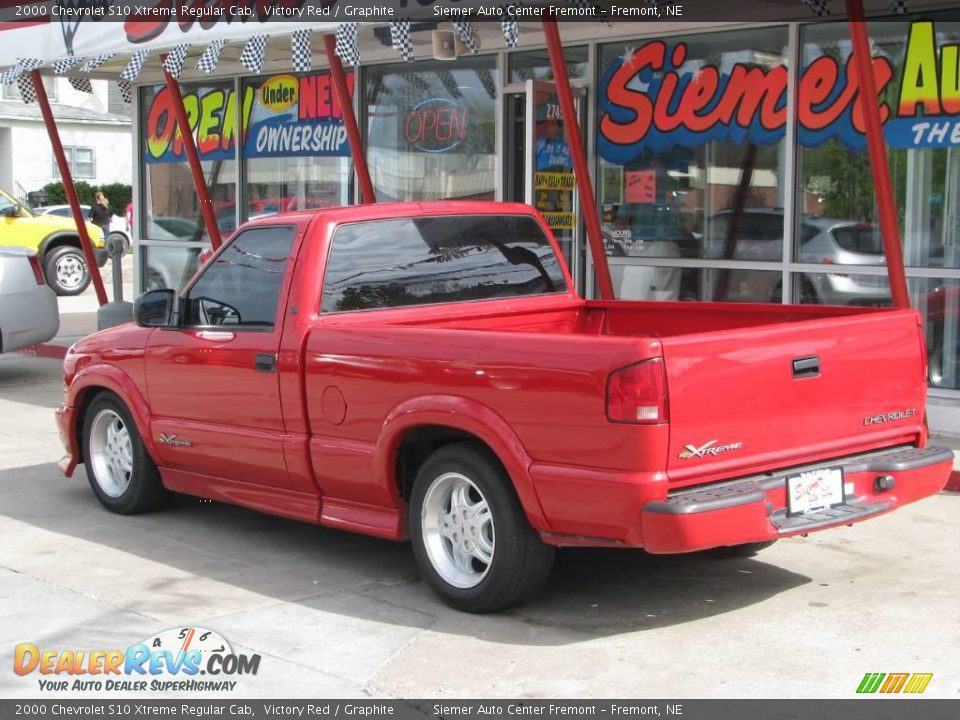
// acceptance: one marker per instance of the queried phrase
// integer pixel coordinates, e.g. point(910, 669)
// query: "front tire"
point(65, 269)
point(121, 472)
point(470, 535)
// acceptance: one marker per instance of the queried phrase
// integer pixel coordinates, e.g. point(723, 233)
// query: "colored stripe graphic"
point(892, 683)
point(870, 682)
point(918, 682)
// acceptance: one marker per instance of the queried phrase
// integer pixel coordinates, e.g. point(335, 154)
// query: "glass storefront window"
point(690, 138)
point(432, 130)
point(535, 64)
point(172, 210)
point(660, 282)
point(168, 267)
point(921, 129)
point(296, 152)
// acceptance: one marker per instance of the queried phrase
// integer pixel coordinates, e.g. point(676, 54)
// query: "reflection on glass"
point(535, 64)
point(649, 282)
point(835, 172)
point(172, 208)
point(694, 183)
point(432, 130)
point(168, 267)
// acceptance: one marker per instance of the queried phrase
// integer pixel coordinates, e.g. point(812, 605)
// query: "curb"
point(47, 350)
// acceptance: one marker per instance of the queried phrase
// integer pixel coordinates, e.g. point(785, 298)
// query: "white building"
point(94, 129)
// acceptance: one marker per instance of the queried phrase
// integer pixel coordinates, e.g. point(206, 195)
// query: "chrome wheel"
point(457, 528)
point(70, 271)
point(111, 453)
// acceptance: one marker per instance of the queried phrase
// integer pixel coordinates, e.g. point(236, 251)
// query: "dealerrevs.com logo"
point(179, 659)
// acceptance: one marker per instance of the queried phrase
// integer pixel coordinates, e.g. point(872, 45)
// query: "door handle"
point(264, 362)
point(215, 335)
point(806, 367)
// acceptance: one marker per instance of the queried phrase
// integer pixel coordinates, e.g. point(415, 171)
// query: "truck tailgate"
point(758, 398)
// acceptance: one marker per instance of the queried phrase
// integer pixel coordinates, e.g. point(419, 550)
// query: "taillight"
point(638, 393)
point(37, 270)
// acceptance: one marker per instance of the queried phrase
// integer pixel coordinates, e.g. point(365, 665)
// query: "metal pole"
point(883, 188)
point(68, 186)
point(342, 94)
point(193, 157)
point(571, 126)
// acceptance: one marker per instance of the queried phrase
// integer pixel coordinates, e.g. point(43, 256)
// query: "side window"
point(424, 260)
point(241, 288)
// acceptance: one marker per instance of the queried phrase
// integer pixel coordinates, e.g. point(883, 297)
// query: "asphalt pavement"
point(339, 615)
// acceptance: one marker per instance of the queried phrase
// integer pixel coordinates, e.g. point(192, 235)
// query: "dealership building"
point(728, 158)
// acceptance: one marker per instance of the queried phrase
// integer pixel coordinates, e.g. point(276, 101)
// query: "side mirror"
point(12, 211)
point(157, 308)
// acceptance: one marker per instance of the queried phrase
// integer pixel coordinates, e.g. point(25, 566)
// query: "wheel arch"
point(94, 381)
point(58, 238)
point(420, 426)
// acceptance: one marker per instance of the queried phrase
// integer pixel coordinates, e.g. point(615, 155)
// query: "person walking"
point(101, 213)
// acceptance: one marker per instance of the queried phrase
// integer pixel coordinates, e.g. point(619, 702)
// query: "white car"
point(28, 308)
point(118, 223)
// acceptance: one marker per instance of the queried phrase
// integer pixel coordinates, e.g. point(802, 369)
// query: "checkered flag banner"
point(252, 56)
point(400, 38)
point(489, 84)
point(510, 28)
point(300, 52)
point(173, 62)
point(126, 90)
point(62, 66)
point(346, 47)
point(211, 56)
point(24, 65)
point(817, 7)
point(81, 84)
point(135, 65)
point(27, 91)
point(464, 30)
point(450, 83)
point(95, 62)
point(898, 7)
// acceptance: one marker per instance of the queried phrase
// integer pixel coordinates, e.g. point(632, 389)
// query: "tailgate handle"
point(806, 367)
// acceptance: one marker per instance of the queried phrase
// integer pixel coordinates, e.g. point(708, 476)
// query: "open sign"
point(436, 125)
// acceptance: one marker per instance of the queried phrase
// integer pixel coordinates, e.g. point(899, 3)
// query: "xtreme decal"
point(654, 98)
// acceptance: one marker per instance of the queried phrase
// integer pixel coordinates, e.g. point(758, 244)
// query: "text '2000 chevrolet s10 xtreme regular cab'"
point(426, 371)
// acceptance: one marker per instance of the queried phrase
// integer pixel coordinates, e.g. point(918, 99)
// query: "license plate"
point(814, 490)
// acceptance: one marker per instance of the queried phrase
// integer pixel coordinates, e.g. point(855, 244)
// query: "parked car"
point(426, 371)
point(56, 242)
point(28, 308)
point(118, 223)
point(824, 241)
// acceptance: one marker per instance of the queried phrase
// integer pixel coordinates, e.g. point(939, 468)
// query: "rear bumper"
point(753, 509)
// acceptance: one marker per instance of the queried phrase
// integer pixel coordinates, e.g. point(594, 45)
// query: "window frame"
point(70, 152)
point(565, 292)
point(276, 326)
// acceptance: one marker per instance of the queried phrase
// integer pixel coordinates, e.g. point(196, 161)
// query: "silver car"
point(822, 241)
point(28, 308)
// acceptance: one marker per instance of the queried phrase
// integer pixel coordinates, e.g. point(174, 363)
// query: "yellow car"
point(56, 242)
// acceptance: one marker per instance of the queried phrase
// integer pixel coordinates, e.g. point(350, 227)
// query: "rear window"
point(859, 239)
point(420, 261)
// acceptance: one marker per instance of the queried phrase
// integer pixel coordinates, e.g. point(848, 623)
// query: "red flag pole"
point(68, 186)
point(571, 126)
point(876, 145)
point(342, 94)
point(193, 157)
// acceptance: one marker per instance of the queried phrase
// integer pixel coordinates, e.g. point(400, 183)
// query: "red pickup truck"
point(427, 372)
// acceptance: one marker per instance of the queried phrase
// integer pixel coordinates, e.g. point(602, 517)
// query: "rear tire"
point(747, 550)
point(470, 535)
point(122, 474)
point(65, 269)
